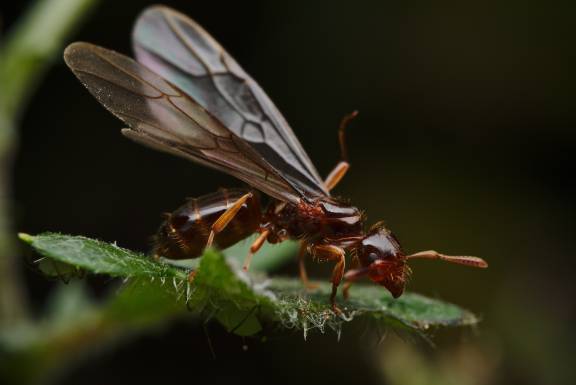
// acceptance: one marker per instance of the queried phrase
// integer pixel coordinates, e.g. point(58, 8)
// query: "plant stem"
point(12, 302)
point(25, 55)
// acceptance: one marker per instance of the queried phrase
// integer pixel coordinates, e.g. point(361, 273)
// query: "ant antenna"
point(460, 259)
point(341, 131)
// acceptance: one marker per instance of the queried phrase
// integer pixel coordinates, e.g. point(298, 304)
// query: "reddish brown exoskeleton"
point(187, 96)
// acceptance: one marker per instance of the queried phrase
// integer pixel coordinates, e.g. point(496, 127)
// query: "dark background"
point(464, 144)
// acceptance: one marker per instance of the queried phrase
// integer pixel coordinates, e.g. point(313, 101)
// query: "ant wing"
point(163, 117)
point(182, 52)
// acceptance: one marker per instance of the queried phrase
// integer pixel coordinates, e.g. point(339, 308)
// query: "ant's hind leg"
point(226, 217)
point(342, 167)
point(336, 175)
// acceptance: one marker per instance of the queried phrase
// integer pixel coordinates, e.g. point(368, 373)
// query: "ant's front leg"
point(349, 278)
point(331, 253)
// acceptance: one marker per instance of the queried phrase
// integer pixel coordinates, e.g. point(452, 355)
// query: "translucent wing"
point(179, 50)
point(163, 117)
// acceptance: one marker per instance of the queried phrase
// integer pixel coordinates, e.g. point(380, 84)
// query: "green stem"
point(25, 55)
point(12, 302)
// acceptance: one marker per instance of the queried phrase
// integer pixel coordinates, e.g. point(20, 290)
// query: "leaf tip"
point(26, 237)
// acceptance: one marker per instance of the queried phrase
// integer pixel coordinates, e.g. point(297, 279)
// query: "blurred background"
point(465, 143)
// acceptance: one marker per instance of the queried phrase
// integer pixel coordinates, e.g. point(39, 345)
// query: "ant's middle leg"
point(256, 245)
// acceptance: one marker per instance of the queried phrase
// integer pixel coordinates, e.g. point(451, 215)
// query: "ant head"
point(382, 259)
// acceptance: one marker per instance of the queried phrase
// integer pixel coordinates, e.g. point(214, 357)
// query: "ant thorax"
point(321, 218)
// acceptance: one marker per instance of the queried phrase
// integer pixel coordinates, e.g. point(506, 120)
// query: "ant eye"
point(372, 257)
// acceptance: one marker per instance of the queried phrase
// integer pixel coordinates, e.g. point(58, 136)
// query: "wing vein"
point(137, 78)
point(176, 30)
point(118, 85)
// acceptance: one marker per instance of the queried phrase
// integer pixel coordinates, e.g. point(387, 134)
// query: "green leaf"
point(100, 257)
point(243, 302)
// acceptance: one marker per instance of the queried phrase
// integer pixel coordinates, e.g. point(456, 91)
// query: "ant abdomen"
point(184, 232)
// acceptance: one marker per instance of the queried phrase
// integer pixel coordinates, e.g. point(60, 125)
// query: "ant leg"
point(346, 289)
point(336, 175)
point(352, 276)
point(342, 167)
point(226, 217)
point(256, 245)
point(354, 265)
point(302, 267)
point(331, 252)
